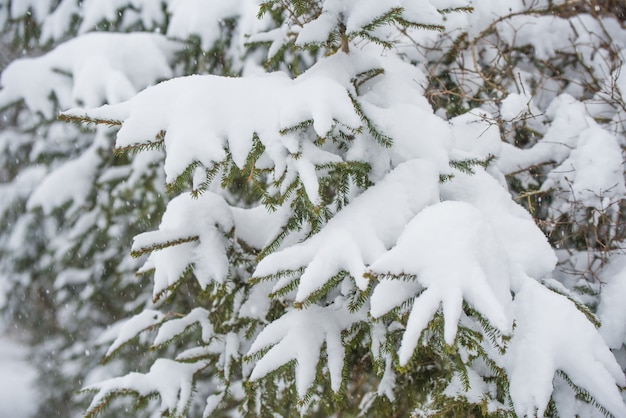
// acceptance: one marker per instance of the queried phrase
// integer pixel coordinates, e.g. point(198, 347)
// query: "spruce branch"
point(84, 119)
point(467, 166)
point(584, 395)
point(381, 138)
point(161, 245)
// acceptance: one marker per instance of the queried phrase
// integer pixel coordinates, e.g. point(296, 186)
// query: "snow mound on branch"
point(88, 70)
point(475, 136)
point(568, 119)
point(148, 12)
point(478, 275)
point(299, 335)
point(172, 381)
point(57, 17)
point(359, 14)
point(527, 249)
point(174, 327)
point(589, 166)
point(257, 226)
point(56, 23)
point(201, 18)
point(38, 8)
point(612, 309)
point(191, 233)
point(358, 234)
point(202, 116)
point(80, 173)
point(593, 172)
point(516, 105)
point(130, 328)
point(552, 335)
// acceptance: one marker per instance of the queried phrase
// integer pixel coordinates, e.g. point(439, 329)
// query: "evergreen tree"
point(338, 237)
point(70, 205)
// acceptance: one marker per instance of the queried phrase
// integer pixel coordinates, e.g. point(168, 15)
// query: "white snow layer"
point(70, 182)
point(612, 309)
point(551, 334)
point(191, 235)
point(527, 249)
point(438, 233)
point(148, 12)
point(89, 70)
point(201, 115)
point(171, 380)
point(497, 251)
point(132, 327)
point(298, 335)
point(358, 14)
point(18, 397)
point(201, 18)
point(174, 327)
point(198, 226)
point(589, 164)
point(358, 235)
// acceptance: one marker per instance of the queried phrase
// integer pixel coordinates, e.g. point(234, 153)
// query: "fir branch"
point(400, 312)
point(366, 76)
point(143, 146)
point(64, 117)
point(207, 356)
point(374, 39)
point(277, 276)
point(461, 370)
point(444, 178)
point(171, 289)
point(381, 138)
point(459, 43)
point(318, 294)
point(497, 339)
point(298, 127)
point(144, 272)
point(501, 378)
point(180, 182)
point(159, 246)
point(461, 9)
point(186, 330)
point(264, 8)
point(425, 26)
point(394, 14)
point(467, 166)
point(127, 343)
point(284, 370)
point(95, 410)
point(430, 338)
point(286, 289)
point(279, 57)
point(275, 243)
point(584, 395)
point(407, 277)
point(210, 174)
point(360, 297)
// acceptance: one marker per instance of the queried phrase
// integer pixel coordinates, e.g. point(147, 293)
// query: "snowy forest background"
point(316, 207)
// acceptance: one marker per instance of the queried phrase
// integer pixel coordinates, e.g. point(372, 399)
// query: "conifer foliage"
point(329, 216)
